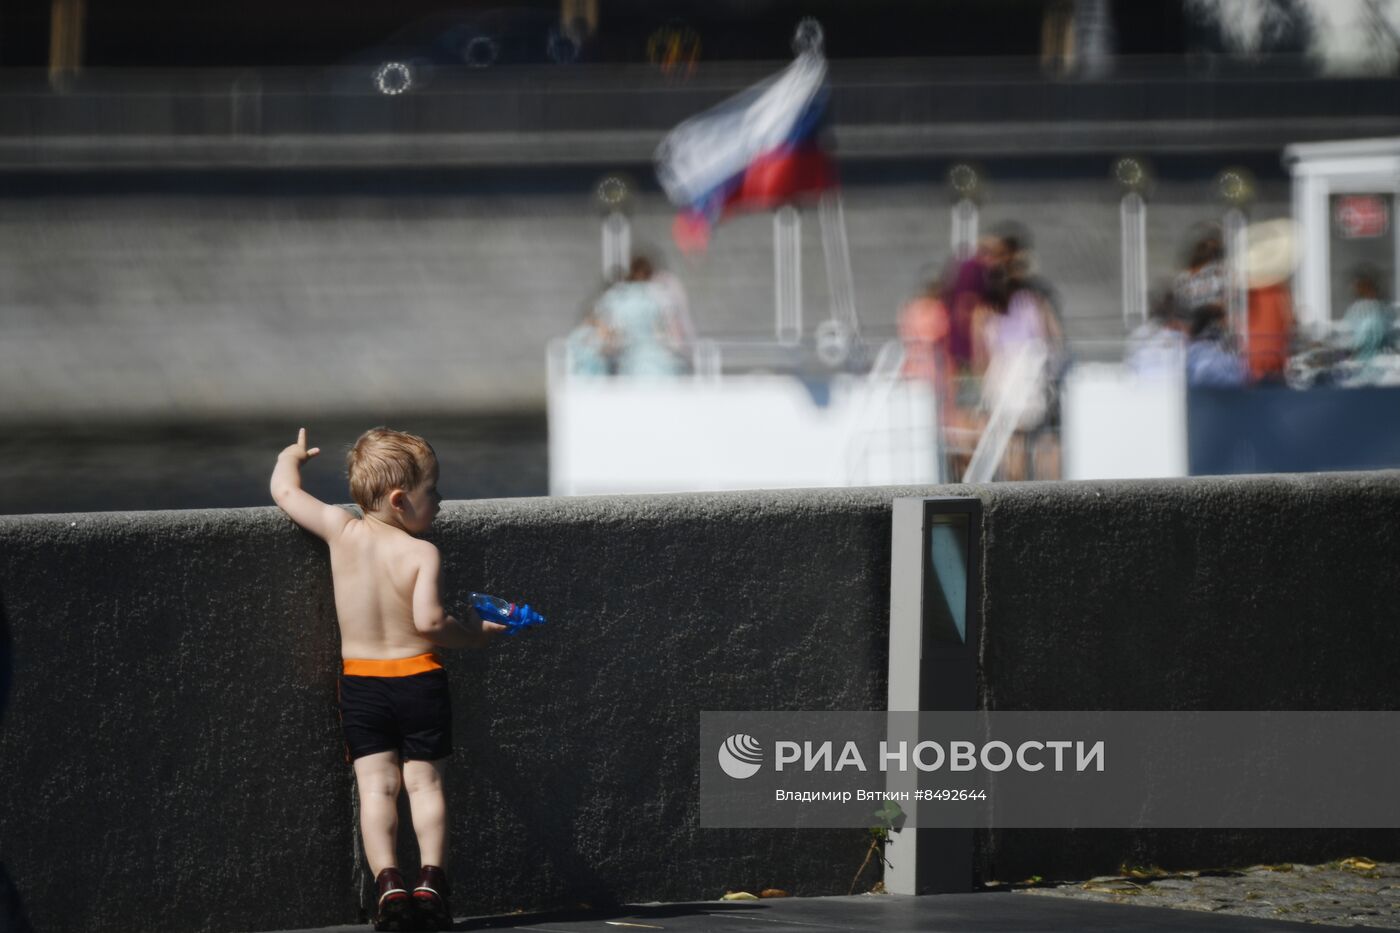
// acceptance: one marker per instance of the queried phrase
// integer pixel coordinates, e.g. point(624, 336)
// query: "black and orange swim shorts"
point(399, 705)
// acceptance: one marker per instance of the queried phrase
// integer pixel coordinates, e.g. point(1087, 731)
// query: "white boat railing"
point(894, 433)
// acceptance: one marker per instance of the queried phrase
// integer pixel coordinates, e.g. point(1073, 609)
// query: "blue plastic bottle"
point(515, 618)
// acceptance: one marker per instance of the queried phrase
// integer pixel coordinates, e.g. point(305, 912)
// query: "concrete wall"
point(1270, 593)
point(172, 741)
point(181, 297)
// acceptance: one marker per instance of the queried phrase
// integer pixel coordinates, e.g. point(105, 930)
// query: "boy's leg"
point(378, 779)
point(424, 782)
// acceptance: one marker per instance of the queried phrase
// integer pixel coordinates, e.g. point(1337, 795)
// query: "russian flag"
point(755, 151)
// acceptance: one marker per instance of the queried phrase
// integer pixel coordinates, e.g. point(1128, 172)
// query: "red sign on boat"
point(1360, 216)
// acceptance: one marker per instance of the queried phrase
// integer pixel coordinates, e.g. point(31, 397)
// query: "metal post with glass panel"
point(935, 628)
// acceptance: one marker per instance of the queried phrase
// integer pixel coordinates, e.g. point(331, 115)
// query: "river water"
point(216, 464)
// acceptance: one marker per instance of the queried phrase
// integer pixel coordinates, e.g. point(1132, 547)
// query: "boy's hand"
point(298, 450)
point(324, 521)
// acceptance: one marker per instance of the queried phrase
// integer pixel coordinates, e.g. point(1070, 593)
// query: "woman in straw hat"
point(1269, 330)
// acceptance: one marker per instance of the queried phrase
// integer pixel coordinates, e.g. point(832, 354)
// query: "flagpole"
point(787, 275)
point(787, 228)
point(838, 335)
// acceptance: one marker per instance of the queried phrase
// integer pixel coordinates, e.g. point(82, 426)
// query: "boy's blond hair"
point(384, 459)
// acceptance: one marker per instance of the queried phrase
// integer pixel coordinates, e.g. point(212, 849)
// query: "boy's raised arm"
point(324, 521)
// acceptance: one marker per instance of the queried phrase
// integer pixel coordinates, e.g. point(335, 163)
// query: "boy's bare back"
point(375, 568)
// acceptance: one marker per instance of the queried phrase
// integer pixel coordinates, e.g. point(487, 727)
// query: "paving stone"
point(1330, 893)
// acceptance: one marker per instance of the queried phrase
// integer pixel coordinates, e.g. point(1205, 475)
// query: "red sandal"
point(430, 899)
point(395, 908)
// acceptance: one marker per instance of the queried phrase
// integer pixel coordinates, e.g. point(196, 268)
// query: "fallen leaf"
point(1357, 863)
point(738, 896)
point(1114, 886)
point(773, 892)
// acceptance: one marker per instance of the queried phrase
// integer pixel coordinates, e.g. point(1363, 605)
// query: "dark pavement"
point(954, 913)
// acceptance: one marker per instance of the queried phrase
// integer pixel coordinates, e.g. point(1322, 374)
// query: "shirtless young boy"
point(394, 702)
